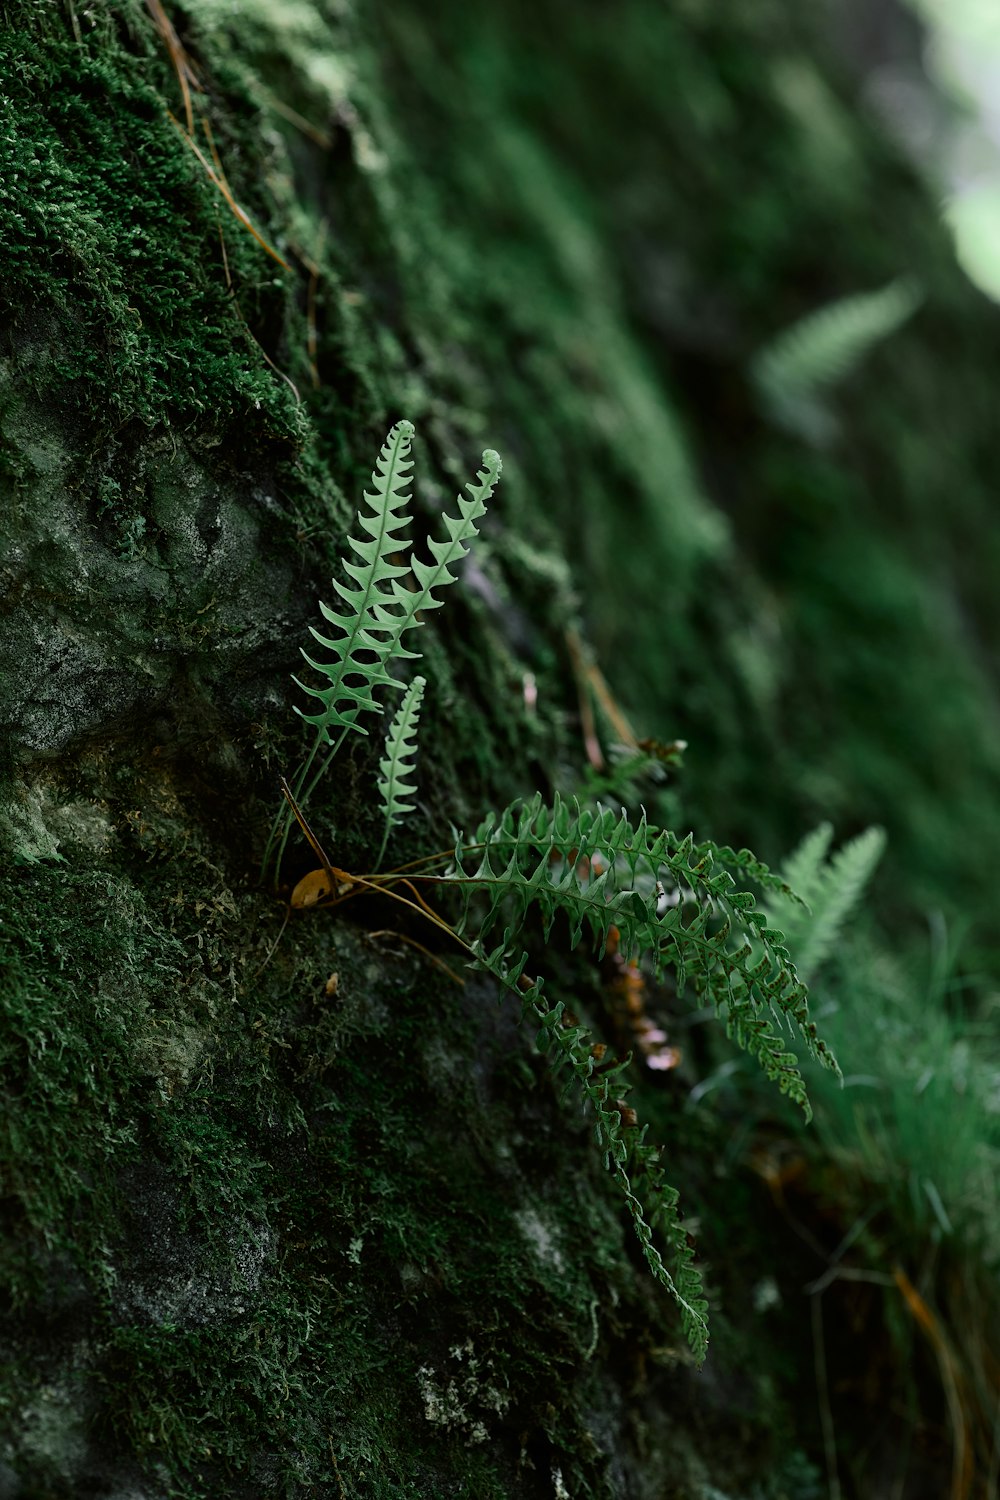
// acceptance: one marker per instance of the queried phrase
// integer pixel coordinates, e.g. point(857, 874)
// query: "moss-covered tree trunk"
point(285, 1210)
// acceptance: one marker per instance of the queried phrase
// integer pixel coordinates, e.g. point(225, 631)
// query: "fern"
point(634, 1165)
point(822, 349)
point(372, 637)
point(670, 900)
point(384, 601)
point(674, 902)
point(447, 554)
point(371, 630)
point(831, 889)
point(397, 763)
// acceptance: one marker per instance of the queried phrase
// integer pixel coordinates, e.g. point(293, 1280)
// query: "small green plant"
point(668, 902)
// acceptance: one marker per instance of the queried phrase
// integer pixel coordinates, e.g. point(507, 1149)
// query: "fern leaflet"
point(397, 763)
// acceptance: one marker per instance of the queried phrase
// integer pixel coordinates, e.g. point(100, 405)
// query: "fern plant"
point(670, 902)
point(383, 602)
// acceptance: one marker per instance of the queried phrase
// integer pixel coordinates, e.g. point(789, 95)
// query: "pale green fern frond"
point(804, 868)
point(385, 599)
point(396, 765)
point(832, 890)
point(823, 348)
point(371, 627)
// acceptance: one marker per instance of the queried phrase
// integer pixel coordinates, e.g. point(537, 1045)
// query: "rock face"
point(286, 1211)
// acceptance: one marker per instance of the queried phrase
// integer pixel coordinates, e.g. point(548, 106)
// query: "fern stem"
point(284, 819)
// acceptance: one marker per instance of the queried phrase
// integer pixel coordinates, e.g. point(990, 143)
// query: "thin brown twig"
point(962, 1468)
point(225, 190)
point(402, 938)
point(319, 137)
point(186, 75)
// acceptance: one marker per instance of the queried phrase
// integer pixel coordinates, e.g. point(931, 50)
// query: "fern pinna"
point(673, 903)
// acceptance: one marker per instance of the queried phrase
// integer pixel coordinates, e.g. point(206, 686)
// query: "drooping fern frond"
point(371, 627)
point(823, 348)
point(669, 900)
point(396, 765)
point(634, 1166)
point(832, 890)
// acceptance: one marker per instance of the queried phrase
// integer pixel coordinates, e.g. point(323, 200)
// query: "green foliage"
point(396, 765)
point(831, 889)
point(823, 348)
point(634, 1165)
point(370, 640)
point(372, 627)
point(671, 900)
point(668, 901)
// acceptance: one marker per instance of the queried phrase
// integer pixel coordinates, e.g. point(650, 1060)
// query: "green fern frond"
point(832, 890)
point(371, 627)
point(379, 606)
point(804, 867)
point(826, 345)
point(461, 530)
point(671, 900)
point(634, 1166)
point(823, 348)
point(396, 765)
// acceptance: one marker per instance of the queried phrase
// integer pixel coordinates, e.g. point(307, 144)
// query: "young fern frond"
point(396, 765)
point(832, 890)
point(634, 1165)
